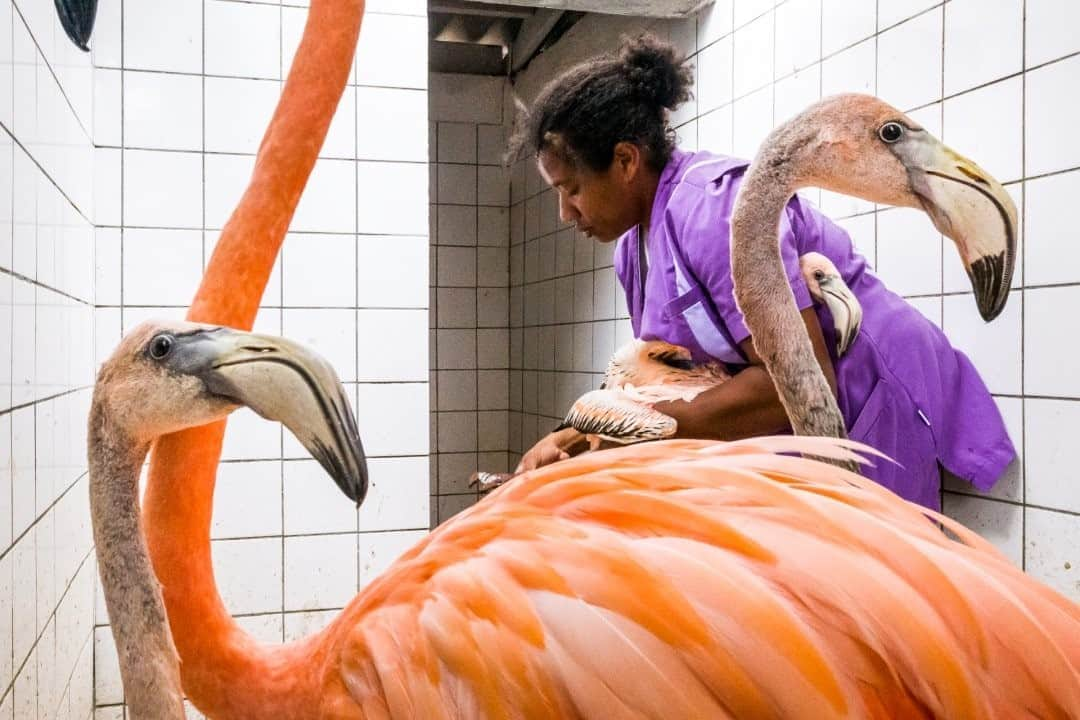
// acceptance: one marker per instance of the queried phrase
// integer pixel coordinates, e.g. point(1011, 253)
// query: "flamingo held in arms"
point(644, 372)
point(687, 579)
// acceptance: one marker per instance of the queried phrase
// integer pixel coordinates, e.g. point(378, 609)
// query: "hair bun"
point(655, 70)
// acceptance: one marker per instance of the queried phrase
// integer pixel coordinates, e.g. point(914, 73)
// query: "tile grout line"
point(40, 285)
point(11, 348)
point(476, 280)
point(356, 304)
point(941, 238)
point(34, 523)
point(122, 234)
point(1023, 281)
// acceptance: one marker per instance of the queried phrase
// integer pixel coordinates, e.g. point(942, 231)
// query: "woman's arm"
point(747, 404)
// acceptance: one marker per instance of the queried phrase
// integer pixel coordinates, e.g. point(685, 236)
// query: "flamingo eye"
point(819, 275)
point(161, 346)
point(890, 132)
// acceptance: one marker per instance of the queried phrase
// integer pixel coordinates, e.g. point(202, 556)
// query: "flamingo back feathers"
point(695, 579)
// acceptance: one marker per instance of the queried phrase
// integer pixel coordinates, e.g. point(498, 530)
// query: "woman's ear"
point(627, 161)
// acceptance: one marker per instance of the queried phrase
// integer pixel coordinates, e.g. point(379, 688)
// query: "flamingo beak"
point(972, 209)
point(845, 309)
point(284, 381)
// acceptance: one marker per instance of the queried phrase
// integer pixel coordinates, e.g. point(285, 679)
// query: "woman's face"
point(601, 205)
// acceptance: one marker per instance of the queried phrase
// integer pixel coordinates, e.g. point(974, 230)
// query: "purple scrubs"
point(903, 389)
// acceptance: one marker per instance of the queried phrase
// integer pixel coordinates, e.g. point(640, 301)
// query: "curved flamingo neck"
point(764, 295)
point(148, 658)
point(224, 672)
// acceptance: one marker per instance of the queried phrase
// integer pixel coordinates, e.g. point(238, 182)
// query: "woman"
point(601, 140)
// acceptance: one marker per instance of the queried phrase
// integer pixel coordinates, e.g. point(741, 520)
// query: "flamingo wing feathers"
point(614, 415)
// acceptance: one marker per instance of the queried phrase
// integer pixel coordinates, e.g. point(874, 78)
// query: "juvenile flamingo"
point(642, 373)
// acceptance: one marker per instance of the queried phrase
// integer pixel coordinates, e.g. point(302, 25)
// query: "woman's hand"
point(559, 445)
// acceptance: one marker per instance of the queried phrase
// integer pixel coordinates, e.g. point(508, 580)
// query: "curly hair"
point(588, 109)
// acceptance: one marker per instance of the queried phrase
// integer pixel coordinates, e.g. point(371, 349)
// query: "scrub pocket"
point(890, 423)
point(689, 311)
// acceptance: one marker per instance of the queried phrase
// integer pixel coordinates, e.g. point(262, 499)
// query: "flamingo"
point(678, 578)
point(856, 145)
point(193, 374)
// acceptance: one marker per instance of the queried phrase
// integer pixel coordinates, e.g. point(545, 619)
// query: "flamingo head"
point(167, 376)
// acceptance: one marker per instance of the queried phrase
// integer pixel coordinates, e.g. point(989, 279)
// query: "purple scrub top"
point(903, 389)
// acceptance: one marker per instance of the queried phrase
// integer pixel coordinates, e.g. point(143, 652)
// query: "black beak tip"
point(350, 474)
point(991, 277)
point(990, 307)
point(77, 19)
point(355, 483)
point(358, 486)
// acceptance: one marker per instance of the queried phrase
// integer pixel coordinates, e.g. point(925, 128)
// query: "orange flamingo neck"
point(223, 671)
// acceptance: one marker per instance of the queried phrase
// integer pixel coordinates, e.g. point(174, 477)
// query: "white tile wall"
point(181, 99)
point(470, 315)
point(524, 313)
point(995, 81)
point(47, 296)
